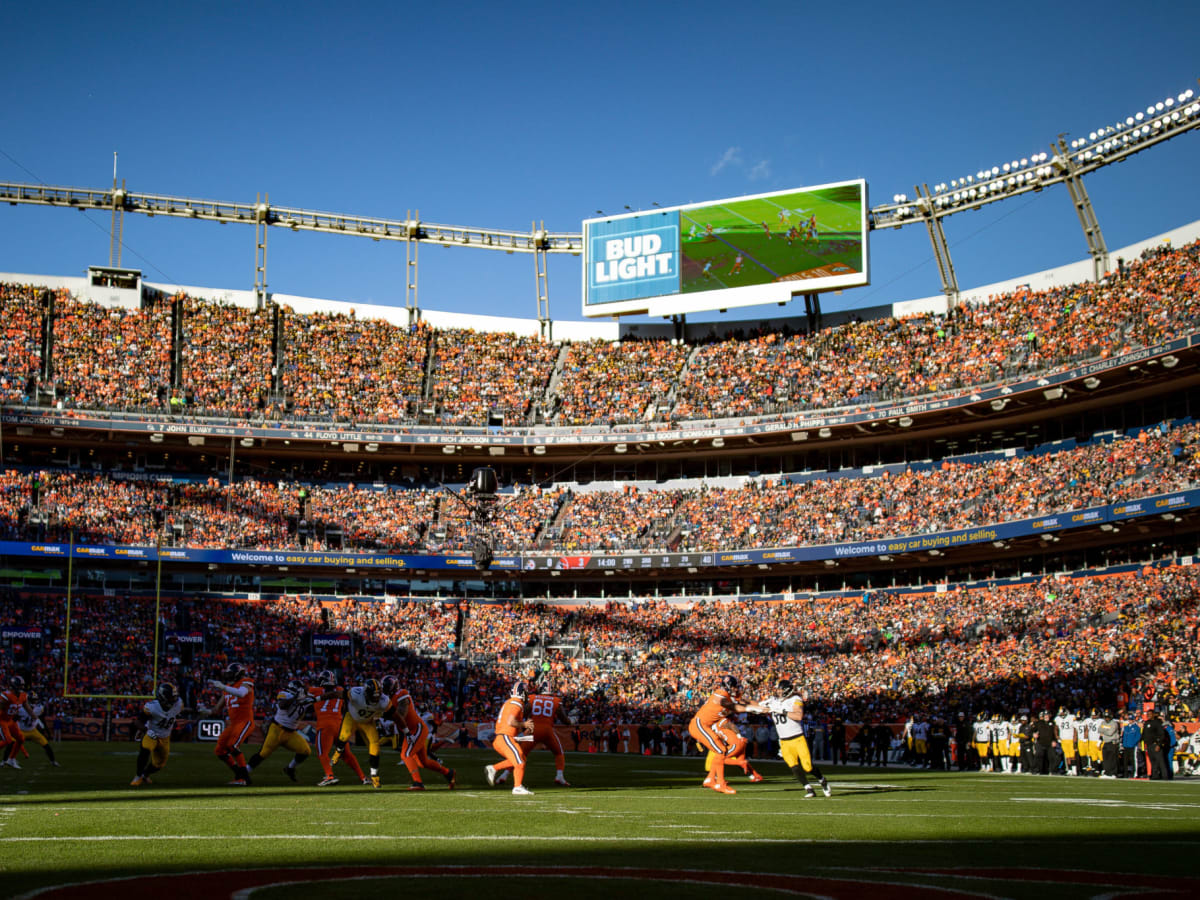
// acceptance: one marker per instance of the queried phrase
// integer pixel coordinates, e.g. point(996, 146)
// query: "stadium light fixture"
point(905, 421)
point(999, 404)
point(799, 436)
point(1170, 361)
point(621, 448)
point(718, 442)
point(1091, 382)
point(824, 432)
point(1054, 393)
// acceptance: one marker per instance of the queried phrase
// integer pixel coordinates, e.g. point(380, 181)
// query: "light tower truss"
point(1066, 164)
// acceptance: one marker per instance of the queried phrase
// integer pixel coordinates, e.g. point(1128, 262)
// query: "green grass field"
point(627, 824)
point(737, 227)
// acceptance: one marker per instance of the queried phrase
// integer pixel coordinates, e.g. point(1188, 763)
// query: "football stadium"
point(302, 593)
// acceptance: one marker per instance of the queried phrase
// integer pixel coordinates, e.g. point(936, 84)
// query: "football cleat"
point(521, 791)
point(809, 792)
point(138, 781)
point(502, 777)
point(56, 763)
point(755, 777)
point(825, 788)
point(238, 782)
point(558, 779)
point(417, 786)
point(451, 779)
point(374, 781)
point(722, 788)
point(327, 781)
point(490, 773)
point(290, 772)
point(13, 764)
point(366, 781)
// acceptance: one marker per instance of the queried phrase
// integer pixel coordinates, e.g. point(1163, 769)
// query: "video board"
point(742, 251)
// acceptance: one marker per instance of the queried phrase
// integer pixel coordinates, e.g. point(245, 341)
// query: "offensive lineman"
point(237, 699)
point(414, 750)
point(787, 713)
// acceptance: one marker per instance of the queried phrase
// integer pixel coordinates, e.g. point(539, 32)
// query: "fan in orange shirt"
point(329, 708)
point(511, 727)
point(415, 749)
point(704, 728)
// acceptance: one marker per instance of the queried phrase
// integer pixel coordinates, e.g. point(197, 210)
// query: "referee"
point(787, 713)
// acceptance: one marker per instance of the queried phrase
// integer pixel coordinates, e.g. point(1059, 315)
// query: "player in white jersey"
point(292, 705)
point(1065, 732)
point(29, 721)
point(787, 713)
point(920, 735)
point(1001, 736)
point(158, 720)
point(365, 703)
point(1092, 757)
point(981, 736)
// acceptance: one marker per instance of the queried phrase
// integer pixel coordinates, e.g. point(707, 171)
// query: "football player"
point(237, 699)
point(11, 700)
point(982, 738)
point(787, 714)
point(1064, 730)
point(158, 720)
point(29, 722)
point(414, 751)
point(329, 709)
point(703, 729)
point(291, 708)
point(545, 711)
point(512, 727)
point(365, 703)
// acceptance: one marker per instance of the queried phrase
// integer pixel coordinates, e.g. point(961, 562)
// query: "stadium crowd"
point(342, 368)
point(1119, 641)
point(264, 514)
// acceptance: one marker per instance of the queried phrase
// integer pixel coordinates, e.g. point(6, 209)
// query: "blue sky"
point(500, 115)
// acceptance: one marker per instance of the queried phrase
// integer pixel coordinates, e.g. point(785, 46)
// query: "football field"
point(628, 824)
point(757, 230)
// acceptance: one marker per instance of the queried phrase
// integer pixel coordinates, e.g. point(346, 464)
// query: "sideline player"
point(787, 713)
point(737, 264)
point(982, 735)
point(365, 703)
point(329, 709)
point(1064, 730)
point(237, 699)
point(291, 705)
point(10, 731)
point(29, 722)
point(414, 751)
point(511, 727)
point(704, 729)
point(158, 718)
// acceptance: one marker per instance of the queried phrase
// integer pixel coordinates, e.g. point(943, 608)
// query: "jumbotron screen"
point(738, 252)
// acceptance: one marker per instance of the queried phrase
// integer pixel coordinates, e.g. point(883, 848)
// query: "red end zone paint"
point(224, 884)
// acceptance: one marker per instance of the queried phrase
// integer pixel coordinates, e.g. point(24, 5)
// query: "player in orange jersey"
point(512, 729)
point(237, 699)
point(704, 729)
point(329, 708)
point(415, 749)
point(545, 711)
point(11, 701)
point(737, 750)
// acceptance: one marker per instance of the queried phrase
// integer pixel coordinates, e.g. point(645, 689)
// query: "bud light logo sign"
point(631, 258)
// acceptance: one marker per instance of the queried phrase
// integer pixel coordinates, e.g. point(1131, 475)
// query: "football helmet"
point(995, 717)
point(326, 678)
point(981, 716)
point(785, 687)
point(34, 697)
point(17, 683)
point(233, 672)
point(1062, 710)
point(372, 690)
point(296, 687)
point(166, 694)
point(390, 684)
point(1078, 713)
point(1095, 713)
point(520, 690)
point(729, 683)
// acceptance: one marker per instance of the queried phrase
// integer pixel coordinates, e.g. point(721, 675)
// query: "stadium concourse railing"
point(372, 435)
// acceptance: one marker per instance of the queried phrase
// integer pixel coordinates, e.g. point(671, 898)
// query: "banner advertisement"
point(21, 633)
point(332, 642)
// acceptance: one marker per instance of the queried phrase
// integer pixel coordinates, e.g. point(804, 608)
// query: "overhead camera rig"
point(479, 496)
